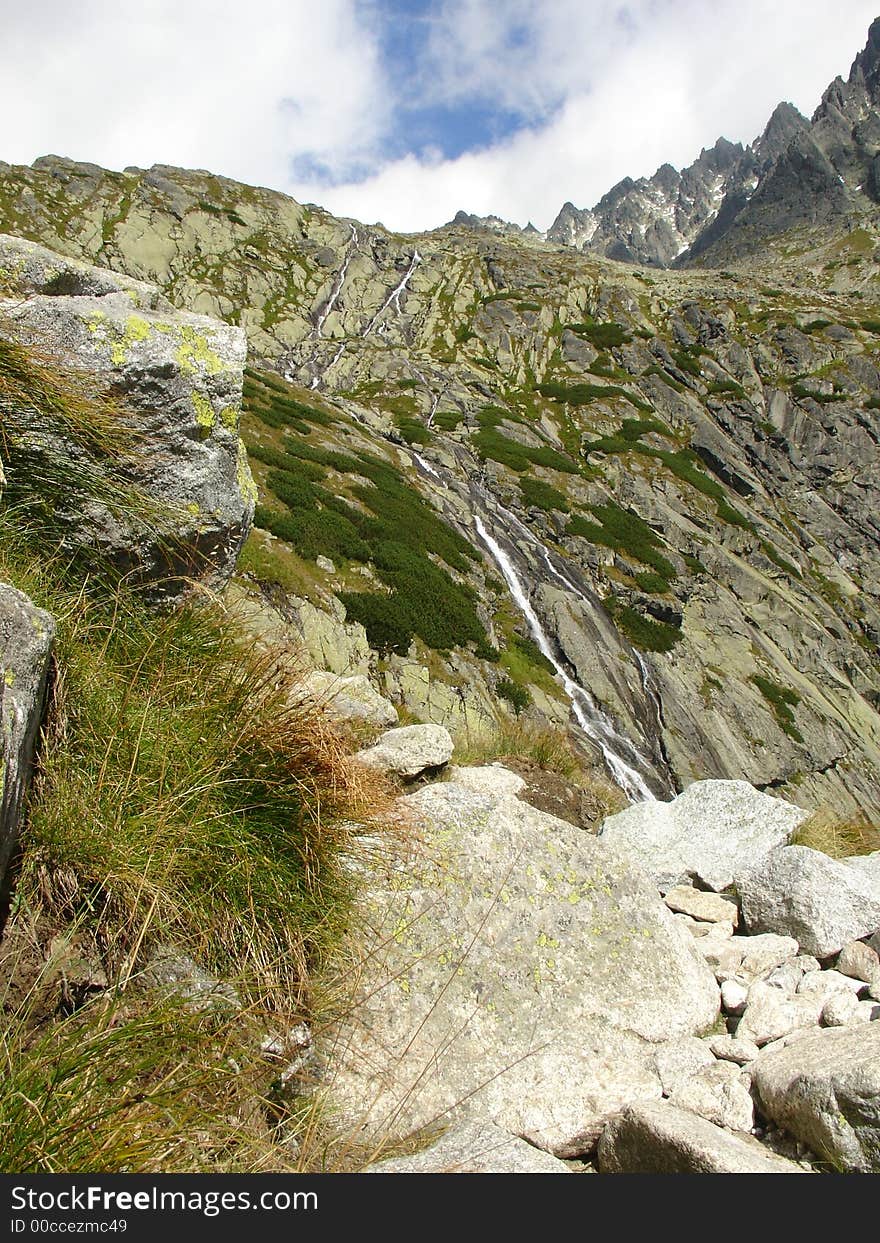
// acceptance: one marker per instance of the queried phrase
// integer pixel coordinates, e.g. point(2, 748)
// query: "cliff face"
point(667, 481)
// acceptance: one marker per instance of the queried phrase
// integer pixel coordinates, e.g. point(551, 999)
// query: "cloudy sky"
point(406, 110)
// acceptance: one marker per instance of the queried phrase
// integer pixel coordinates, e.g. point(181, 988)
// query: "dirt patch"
point(546, 791)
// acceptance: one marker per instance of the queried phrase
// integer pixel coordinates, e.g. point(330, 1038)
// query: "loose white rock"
point(859, 961)
point(410, 750)
point(659, 1138)
point(720, 1094)
point(803, 893)
point(701, 905)
point(734, 996)
point(733, 1049)
point(679, 1060)
point(770, 1014)
point(824, 984)
point(825, 1090)
point(493, 780)
point(841, 1009)
point(710, 832)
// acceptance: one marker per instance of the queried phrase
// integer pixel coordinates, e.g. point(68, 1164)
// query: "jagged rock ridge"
point(731, 199)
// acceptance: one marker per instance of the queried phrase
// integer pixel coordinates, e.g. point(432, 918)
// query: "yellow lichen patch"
point(229, 417)
point(205, 416)
point(136, 329)
point(194, 353)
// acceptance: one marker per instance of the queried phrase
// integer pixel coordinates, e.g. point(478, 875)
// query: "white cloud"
point(607, 88)
point(642, 83)
point(234, 87)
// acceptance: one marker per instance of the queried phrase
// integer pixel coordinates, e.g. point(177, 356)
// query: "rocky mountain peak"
point(732, 198)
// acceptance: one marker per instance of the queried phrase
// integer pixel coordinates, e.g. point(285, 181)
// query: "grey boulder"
point(825, 1090)
point(801, 893)
point(178, 379)
point(515, 965)
point(349, 698)
point(660, 1138)
point(710, 832)
point(26, 636)
point(409, 751)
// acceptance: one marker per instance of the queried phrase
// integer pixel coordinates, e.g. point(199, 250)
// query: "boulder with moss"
point(122, 414)
point(513, 966)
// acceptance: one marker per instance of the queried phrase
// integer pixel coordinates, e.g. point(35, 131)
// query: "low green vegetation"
point(625, 532)
point(783, 701)
point(517, 696)
point(491, 443)
point(645, 633)
point(366, 512)
point(271, 400)
point(604, 335)
point(188, 796)
point(582, 394)
point(542, 495)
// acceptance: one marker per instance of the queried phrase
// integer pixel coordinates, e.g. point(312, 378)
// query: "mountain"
point(508, 481)
point(733, 200)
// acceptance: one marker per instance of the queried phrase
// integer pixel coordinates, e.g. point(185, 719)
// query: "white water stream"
point(339, 282)
point(588, 716)
point(394, 296)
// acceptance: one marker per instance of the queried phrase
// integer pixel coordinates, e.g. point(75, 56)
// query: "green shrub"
point(582, 394)
point(626, 532)
point(719, 387)
point(517, 696)
point(542, 495)
point(644, 632)
point(603, 335)
point(782, 700)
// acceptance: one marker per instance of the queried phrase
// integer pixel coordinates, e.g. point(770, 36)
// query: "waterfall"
point(339, 282)
point(594, 724)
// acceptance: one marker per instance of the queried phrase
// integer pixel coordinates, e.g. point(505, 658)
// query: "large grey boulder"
point(708, 833)
point(513, 964)
point(802, 893)
point(474, 1148)
point(178, 380)
point(659, 1138)
point(825, 1090)
point(409, 751)
point(26, 637)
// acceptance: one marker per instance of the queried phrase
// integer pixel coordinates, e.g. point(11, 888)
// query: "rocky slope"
point(655, 488)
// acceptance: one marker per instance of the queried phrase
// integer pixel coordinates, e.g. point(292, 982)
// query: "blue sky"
point(405, 111)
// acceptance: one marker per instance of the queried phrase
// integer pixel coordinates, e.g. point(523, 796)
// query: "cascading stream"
point(588, 716)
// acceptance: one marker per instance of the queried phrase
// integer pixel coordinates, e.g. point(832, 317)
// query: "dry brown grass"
point(838, 836)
